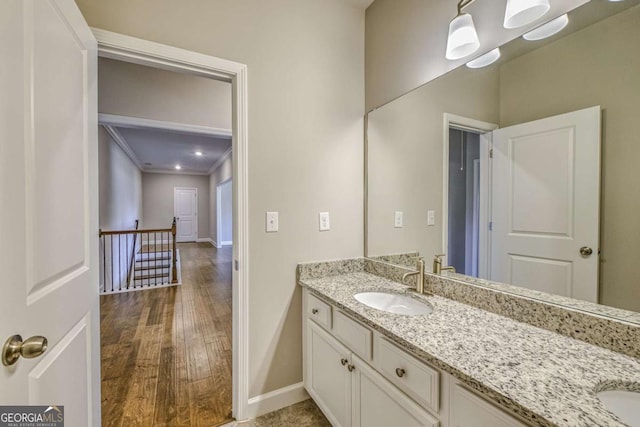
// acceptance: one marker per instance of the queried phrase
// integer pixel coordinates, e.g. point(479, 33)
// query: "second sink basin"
point(394, 303)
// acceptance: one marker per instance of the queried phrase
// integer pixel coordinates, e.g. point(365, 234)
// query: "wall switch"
point(324, 221)
point(431, 217)
point(272, 222)
point(398, 221)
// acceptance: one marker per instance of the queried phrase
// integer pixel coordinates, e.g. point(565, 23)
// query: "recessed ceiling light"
point(198, 153)
point(547, 30)
point(178, 167)
point(486, 59)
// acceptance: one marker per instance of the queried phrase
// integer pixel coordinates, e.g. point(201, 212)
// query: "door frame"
point(484, 129)
point(220, 243)
point(175, 207)
point(143, 52)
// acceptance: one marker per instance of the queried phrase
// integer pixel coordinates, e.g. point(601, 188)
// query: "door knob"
point(14, 347)
point(585, 251)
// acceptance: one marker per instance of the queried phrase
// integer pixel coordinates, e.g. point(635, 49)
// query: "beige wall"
point(599, 65)
point(120, 186)
point(133, 90)
point(406, 157)
point(221, 174)
point(157, 199)
point(305, 63)
point(406, 41)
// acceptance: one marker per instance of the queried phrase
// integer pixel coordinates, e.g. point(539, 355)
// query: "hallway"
point(166, 353)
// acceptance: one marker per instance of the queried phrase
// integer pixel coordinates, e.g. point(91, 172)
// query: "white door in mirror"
point(546, 204)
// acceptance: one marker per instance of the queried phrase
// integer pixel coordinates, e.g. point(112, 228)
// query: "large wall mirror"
point(524, 172)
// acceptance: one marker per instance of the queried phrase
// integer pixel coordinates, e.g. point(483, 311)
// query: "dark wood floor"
point(166, 353)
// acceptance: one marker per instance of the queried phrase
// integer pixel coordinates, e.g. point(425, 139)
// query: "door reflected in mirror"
point(526, 203)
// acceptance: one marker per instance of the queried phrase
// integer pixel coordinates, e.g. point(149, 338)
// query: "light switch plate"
point(399, 220)
point(324, 221)
point(272, 222)
point(431, 217)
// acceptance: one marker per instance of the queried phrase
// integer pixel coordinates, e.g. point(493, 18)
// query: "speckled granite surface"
point(312, 270)
point(611, 333)
point(545, 377)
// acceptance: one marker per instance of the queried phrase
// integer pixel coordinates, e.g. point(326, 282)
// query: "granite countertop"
point(546, 378)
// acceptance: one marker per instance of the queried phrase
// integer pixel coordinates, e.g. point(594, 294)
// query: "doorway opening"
point(191, 333)
point(224, 214)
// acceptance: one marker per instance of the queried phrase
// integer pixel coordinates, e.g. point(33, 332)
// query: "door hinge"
point(237, 265)
point(490, 225)
point(491, 153)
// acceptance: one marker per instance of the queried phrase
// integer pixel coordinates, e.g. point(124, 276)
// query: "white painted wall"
point(157, 199)
point(134, 90)
point(406, 41)
point(305, 62)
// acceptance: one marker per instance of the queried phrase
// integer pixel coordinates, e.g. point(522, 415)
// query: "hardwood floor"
point(166, 353)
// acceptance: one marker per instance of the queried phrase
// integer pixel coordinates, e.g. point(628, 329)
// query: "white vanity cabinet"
point(359, 378)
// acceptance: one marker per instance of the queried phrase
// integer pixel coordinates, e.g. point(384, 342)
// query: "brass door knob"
point(14, 347)
point(585, 251)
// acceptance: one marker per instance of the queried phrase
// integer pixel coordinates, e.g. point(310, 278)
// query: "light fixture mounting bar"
point(462, 4)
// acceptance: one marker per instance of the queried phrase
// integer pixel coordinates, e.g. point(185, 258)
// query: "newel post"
point(174, 267)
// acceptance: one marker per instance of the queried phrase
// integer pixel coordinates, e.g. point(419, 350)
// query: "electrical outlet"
point(399, 220)
point(272, 222)
point(324, 221)
point(431, 217)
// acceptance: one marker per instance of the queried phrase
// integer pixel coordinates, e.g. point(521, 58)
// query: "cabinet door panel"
point(378, 403)
point(328, 379)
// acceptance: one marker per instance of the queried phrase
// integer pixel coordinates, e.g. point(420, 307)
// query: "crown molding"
point(181, 128)
point(122, 143)
point(221, 160)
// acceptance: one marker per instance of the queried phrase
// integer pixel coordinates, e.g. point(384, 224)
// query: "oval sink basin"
point(394, 303)
point(625, 404)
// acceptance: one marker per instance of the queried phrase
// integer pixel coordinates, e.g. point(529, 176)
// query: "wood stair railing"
point(149, 260)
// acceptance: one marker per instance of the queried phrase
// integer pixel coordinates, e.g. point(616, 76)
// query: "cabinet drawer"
point(354, 335)
point(319, 311)
point(419, 381)
point(470, 410)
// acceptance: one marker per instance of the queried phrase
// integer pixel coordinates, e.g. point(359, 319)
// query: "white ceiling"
point(164, 149)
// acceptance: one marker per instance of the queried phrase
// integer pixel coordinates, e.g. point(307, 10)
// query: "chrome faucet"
point(419, 273)
point(437, 265)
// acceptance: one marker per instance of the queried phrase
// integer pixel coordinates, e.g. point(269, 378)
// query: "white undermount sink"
point(625, 404)
point(394, 303)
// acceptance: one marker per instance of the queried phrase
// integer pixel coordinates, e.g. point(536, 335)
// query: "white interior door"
point(186, 213)
point(546, 204)
point(49, 199)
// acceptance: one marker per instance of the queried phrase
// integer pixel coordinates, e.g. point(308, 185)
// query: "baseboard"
point(215, 244)
point(206, 240)
point(226, 243)
point(277, 399)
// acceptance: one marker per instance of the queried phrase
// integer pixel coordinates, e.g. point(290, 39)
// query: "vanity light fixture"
point(522, 12)
point(547, 30)
point(463, 37)
point(178, 167)
point(486, 59)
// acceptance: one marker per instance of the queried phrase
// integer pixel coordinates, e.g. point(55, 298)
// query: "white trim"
point(174, 172)
point(216, 245)
point(476, 126)
point(143, 52)
point(181, 128)
point(221, 160)
point(206, 240)
point(277, 399)
point(123, 144)
point(226, 243)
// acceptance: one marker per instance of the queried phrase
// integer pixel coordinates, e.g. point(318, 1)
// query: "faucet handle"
point(438, 256)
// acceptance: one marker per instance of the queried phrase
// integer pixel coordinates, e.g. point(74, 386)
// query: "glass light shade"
point(547, 30)
point(523, 12)
point(463, 38)
point(486, 59)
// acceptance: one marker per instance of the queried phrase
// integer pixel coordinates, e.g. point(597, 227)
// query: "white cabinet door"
point(49, 199)
point(546, 204)
point(469, 410)
point(328, 378)
point(378, 403)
